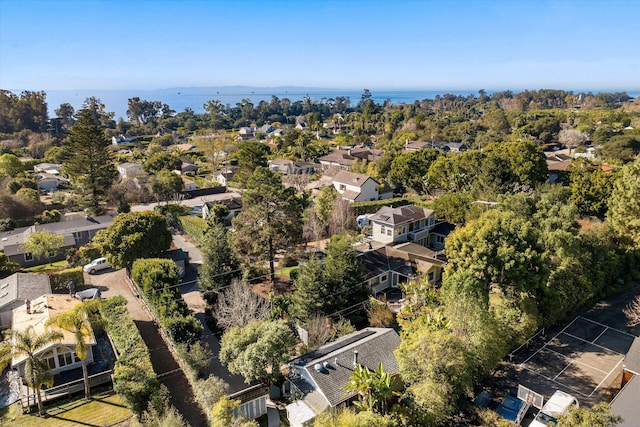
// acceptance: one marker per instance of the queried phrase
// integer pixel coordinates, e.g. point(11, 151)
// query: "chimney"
point(355, 357)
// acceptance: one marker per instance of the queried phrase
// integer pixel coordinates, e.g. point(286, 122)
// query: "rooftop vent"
point(317, 367)
point(4, 285)
point(326, 365)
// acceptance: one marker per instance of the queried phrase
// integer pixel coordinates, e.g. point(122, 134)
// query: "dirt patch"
point(282, 285)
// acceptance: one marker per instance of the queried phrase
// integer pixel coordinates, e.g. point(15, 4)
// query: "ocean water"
point(195, 97)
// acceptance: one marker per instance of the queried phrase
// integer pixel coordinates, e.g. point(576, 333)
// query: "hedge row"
point(59, 279)
point(158, 280)
point(362, 208)
point(133, 376)
point(194, 226)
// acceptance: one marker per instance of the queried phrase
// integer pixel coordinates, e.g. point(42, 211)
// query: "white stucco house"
point(403, 224)
point(129, 170)
point(17, 288)
point(60, 356)
point(356, 187)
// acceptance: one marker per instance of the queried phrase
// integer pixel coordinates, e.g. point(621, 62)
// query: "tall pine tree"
point(219, 266)
point(89, 162)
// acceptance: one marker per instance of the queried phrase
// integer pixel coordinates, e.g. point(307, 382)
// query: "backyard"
point(104, 409)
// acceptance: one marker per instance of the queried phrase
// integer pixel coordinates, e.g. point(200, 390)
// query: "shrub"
point(197, 358)
point(158, 279)
point(59, 279)
point(133, 376)
point(194, 226)
point(183, 329)
point(208, 392)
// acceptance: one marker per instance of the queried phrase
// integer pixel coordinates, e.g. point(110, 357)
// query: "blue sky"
point(564, 44)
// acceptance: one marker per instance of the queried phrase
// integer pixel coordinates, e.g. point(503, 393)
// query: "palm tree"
point(373, 387)
point(36, 370)
point(5, 354)
point(78, 321)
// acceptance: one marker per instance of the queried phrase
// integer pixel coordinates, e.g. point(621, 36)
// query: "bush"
point(172, 213)
point(133, 376)
point(83, 256)
point(183, 329)
point(157, 279)
point(197, 358)
point(208, 392)
point(59, 279)
point(194, 226)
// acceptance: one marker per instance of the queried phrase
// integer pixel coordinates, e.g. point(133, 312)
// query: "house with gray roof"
point(50, 168)
point(625, 404)
point(17, 288)
point(317, 378)
point(408, 223)
point(356, 187)
point(76, 232)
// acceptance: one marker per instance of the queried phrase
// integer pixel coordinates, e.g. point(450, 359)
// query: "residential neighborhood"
point(325, 262)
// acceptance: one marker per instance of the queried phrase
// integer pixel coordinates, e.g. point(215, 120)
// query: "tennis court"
point(584, 357)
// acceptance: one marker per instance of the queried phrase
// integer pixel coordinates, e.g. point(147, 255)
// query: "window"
point(343, 187)
point(440, 239)
point(383, 278)
point(389, 232)
point(432, 276)
point(382, 229)
point(28, 256)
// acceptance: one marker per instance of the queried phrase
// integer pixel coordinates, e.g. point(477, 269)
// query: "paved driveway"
point(113, 283)
point(193, 297)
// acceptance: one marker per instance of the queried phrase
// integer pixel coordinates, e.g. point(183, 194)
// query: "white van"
point(96, 265)
point(558, 405)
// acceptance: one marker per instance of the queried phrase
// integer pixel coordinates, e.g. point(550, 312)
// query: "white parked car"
point(96, 265)
point(558, 405)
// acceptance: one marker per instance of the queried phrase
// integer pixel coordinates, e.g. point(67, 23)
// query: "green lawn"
point(286, 271)
point(46, 267)
point(104, 409)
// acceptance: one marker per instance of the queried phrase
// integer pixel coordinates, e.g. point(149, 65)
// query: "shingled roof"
point(21, 286)
point(399, 215)
point(373, 345)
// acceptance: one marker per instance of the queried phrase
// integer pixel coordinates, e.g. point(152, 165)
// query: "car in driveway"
point(96, 265)
point(555, 407)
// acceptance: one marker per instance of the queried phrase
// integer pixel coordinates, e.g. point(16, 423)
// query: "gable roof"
point(43, 309)
point(379, 261)
point(401, 214)
point(350, 178)
point(341, 157)
point(17, 236)
point(21, 286)
point(625, 404)
point(374, 346)
point(631, 361)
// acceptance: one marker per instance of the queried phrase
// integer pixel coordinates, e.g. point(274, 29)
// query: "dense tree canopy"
point(257, 350)
point(624, 205)
point(133, 235)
